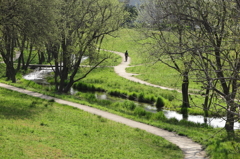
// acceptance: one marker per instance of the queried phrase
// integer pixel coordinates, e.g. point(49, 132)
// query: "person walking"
point(126, 56)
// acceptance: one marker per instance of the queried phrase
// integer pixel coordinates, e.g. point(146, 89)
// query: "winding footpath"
point(190, 149)
point(121, 71)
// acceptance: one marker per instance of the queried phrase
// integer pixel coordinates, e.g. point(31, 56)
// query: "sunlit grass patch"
point(56, 131)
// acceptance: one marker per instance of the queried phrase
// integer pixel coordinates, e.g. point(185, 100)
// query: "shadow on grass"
point(15, 112)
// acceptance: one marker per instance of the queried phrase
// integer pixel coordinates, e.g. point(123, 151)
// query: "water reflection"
point(214, 122)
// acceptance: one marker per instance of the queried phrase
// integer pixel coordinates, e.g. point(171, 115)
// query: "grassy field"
point(215, 141)
point(148, 69)
point(44, 120)
point(155, 72)
point(35, 128)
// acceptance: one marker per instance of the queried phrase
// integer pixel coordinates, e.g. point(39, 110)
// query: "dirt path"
point(190, 149)
point(121, 71)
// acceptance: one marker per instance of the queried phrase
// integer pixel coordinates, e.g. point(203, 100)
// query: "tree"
point(170, 41)
point(23, 24)
point(132, 10)
point(37, 27)
point(213, 43)
point(82, 26)
point(8, 35)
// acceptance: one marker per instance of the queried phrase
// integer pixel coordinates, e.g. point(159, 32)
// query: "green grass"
point(35, 128)
point(44, 114)
point(147, 67)
point(214, 140)
point(107, 79)
point(155, 72)
point(126, 39)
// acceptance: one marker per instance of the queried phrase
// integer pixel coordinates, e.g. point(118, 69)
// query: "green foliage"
point(140, 111)
point(169, 95)
point(160, 103)
point(159, 116)
point(118, 93)
point(90, 97)
point(129, 105)
point(132, 96)
point(141, 97)
point(132, 15)
point(86, 87)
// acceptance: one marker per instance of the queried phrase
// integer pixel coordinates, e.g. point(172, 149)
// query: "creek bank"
point(39, 76)
point(215, 122)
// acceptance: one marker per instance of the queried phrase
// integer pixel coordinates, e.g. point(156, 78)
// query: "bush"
point(115, 93)
point(160, 103)
point(90, 97)
point(141, 97)
point(132, 96)
point(159, 116)
point(118, 93)
point(173, 121)
point(148, 115)
point(139, 111)
point(146, 98)
point(104, 102)
point(86, 87)
point(169, 96)
point(129, 105)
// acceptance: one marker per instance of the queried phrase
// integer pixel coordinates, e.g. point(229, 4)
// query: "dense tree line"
point(58, 31)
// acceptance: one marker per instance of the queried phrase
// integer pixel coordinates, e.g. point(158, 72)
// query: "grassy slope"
point(149, 70)
point(215, 142)
point(35, 128)
point(154, 72)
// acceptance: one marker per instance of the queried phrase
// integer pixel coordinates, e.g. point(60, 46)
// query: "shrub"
point(118, 93)
point(159, 116)
point(141, 97)
point(160, 103)
point(149, 99)
point(104, 102)
point(123, 94)
point(90, 97)
point(152, 99)
point(114, 93)
point(139, 111)
point(132, 96)
point(173, 121)
point(129, 105)
point(148, 115)
point(170, 95)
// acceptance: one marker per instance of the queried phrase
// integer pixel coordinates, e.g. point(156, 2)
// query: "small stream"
point(39, 76)
point(214, 122)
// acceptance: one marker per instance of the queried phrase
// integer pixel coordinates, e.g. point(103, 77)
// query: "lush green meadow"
point(36, 128)
point(149, 69)
point(38, 112)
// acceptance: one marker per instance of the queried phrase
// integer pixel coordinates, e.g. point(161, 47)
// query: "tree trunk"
point(185, 102)
point(229, 125)
point(205, 105)
point(10, 73)
point(41, 57)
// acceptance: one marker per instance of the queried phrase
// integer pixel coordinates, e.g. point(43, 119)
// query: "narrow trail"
point(121, 71)
point(191, 150)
